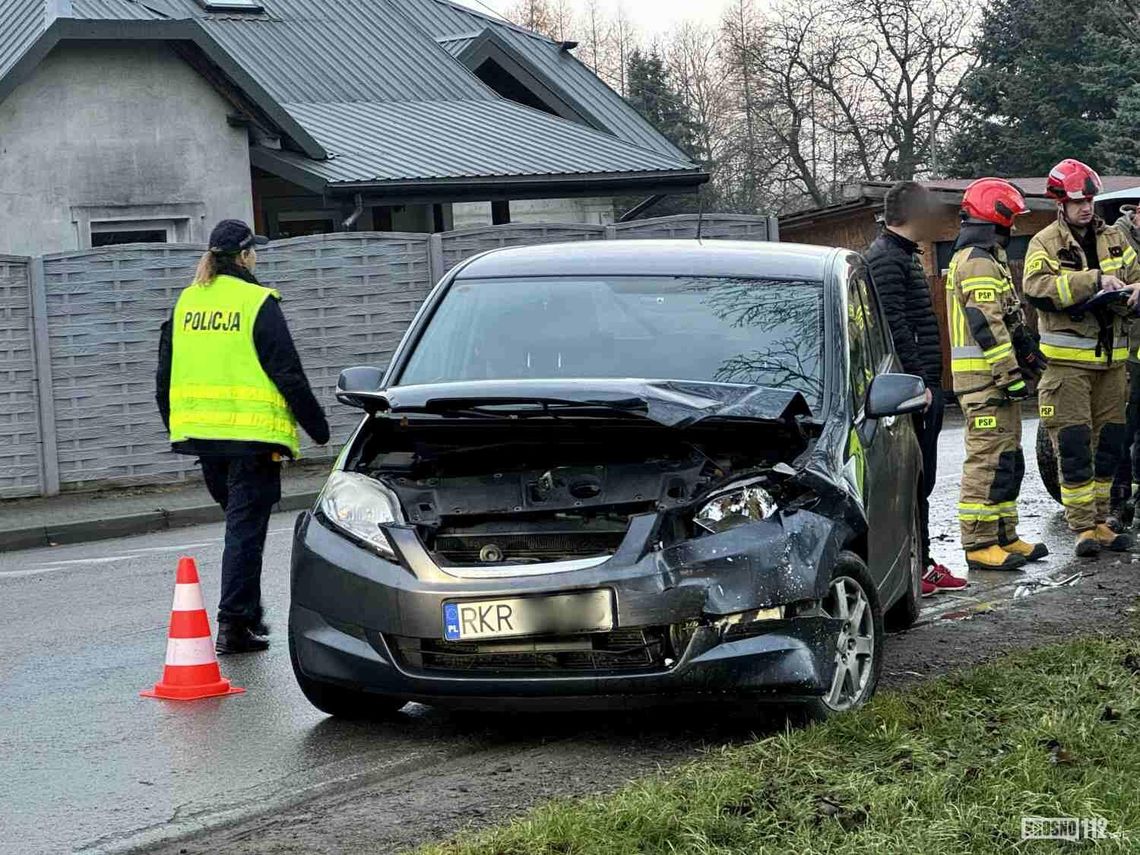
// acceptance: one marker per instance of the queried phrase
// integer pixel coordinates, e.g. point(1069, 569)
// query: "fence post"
point(773, 227)
point(610, 233)
point(435, 258)
point(41, 354)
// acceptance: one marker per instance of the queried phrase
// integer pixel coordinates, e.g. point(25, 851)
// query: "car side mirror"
point(895, 395)
point(358, 386)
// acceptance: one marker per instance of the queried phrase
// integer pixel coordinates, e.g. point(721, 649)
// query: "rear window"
point(762, 332)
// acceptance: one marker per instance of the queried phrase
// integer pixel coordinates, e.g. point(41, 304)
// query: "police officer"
point(1082, 395)
point(231, 391)
point(991, 352)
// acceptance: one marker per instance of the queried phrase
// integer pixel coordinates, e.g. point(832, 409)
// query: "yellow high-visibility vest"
point(218, 389)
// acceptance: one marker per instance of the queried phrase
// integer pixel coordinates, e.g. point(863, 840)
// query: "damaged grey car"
point(606, 474)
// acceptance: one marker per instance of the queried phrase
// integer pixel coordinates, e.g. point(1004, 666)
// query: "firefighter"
point(1082, 395)
point(1126, 486)
point(991, 355)
point(231, 391)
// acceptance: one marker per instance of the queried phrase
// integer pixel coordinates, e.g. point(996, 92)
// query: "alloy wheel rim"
point(855, 642)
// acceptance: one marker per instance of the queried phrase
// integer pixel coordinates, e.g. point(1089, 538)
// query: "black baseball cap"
point(234, 236)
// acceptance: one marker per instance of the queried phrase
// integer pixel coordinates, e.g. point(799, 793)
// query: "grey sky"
point(650, 17)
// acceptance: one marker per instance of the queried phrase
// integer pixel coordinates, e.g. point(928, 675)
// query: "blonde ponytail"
point(207, 269)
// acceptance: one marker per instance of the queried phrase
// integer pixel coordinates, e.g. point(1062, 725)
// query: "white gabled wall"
point(128, 128)
point(597, 211)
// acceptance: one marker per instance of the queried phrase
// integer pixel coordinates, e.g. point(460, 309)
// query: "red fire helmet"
point(1071, 180)
point(993, 200)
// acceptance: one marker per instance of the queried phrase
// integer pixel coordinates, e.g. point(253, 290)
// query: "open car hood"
point(673, 403)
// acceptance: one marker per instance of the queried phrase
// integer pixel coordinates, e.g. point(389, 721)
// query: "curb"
point(148, 522)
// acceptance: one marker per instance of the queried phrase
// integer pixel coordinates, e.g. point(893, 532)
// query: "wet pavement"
point(87, 764)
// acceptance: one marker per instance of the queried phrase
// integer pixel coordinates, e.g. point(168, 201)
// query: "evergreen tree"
point(653, 95)
point(1046, 87)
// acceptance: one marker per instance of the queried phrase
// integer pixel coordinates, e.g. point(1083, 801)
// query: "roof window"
point(252, 6)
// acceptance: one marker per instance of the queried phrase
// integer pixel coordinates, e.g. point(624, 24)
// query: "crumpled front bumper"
point(348, 604)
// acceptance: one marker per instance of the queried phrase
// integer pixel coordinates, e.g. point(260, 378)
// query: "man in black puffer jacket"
point(900, 280)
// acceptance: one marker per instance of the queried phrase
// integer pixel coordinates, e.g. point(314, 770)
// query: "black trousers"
point(1128, 470)
point(247, 488)
point(928, 425)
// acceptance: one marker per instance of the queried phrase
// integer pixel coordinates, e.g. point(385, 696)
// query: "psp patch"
point(985, 422)
point(1047, 411)
point(985, 295)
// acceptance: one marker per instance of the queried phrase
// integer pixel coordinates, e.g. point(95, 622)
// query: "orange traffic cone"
point(191, 670)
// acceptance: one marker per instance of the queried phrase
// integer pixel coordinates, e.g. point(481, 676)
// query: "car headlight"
point(737, 504)
point(359, 505)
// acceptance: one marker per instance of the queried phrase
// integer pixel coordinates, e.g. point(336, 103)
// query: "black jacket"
point(905, 294)
point(279, 359)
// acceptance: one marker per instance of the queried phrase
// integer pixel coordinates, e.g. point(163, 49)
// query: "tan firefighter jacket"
point(1058, 278)
point(983, 308)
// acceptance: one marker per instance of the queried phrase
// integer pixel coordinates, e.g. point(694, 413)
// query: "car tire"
point(1047, 465)
point(903, 614)
point(851, 577)
point(341, 701)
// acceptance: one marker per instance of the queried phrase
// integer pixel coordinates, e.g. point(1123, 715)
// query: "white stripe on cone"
point(190, 651)
point(188, 598)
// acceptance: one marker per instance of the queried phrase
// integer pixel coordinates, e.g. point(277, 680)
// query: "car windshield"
point(761, 332)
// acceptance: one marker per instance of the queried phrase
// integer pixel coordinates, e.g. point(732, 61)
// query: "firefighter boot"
point(1028, 551)
point(1088, 545)
point(993, 558)
point(1110, 539)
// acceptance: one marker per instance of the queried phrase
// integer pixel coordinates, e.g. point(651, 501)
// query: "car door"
point(884, 499)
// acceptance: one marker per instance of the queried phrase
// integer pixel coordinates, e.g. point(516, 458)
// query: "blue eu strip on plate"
point(451, 621)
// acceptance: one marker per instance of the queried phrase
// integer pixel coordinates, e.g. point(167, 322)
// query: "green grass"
point(950, 766)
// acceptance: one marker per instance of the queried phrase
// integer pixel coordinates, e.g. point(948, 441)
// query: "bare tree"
point(693, 58)
point(536, 15)
point(624, 41)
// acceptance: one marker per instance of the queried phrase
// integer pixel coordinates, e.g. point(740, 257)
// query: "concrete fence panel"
point(684, 226)
point(348, 299)
point(464, 243)
point(19, 417)
point(105, 308)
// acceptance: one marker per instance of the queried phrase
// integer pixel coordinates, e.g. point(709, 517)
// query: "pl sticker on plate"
point(451, 621)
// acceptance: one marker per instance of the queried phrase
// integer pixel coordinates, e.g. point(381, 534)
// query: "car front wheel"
point(858, 644)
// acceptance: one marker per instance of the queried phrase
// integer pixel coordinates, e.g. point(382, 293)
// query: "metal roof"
point(564, 71)
point(370, 81)
point(456, 139)
point(21, 23)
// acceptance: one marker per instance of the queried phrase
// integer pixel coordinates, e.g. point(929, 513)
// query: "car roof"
point(656, 258)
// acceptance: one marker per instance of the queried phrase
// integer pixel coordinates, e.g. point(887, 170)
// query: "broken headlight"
point(740, 503)
point(359, 505)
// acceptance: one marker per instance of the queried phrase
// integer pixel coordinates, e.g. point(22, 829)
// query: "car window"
point(757, 332)
point(862, 360)
point(876, 338)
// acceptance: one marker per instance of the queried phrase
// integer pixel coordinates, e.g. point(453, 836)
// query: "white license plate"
point(560, 614)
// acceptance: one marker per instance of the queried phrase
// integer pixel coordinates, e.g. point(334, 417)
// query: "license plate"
point(561, 614)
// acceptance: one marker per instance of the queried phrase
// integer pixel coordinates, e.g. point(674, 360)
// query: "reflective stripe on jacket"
point(1059, 277)
point(980, 299)
point(218, 388)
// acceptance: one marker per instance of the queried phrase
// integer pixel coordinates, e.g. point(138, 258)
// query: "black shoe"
point(239, 638)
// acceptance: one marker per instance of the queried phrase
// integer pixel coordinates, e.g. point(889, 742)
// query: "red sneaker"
point(929, 589)
point(942, 579)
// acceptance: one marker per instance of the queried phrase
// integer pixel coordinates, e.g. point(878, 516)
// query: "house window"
point(115, 232)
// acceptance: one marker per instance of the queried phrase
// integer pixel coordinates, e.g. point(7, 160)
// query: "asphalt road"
point(86, 764)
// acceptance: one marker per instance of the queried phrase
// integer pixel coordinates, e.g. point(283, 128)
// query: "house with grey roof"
point(147, 120)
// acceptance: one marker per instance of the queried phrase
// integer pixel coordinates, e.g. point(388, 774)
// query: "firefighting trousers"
point(993, 470)
point(1083, 410)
